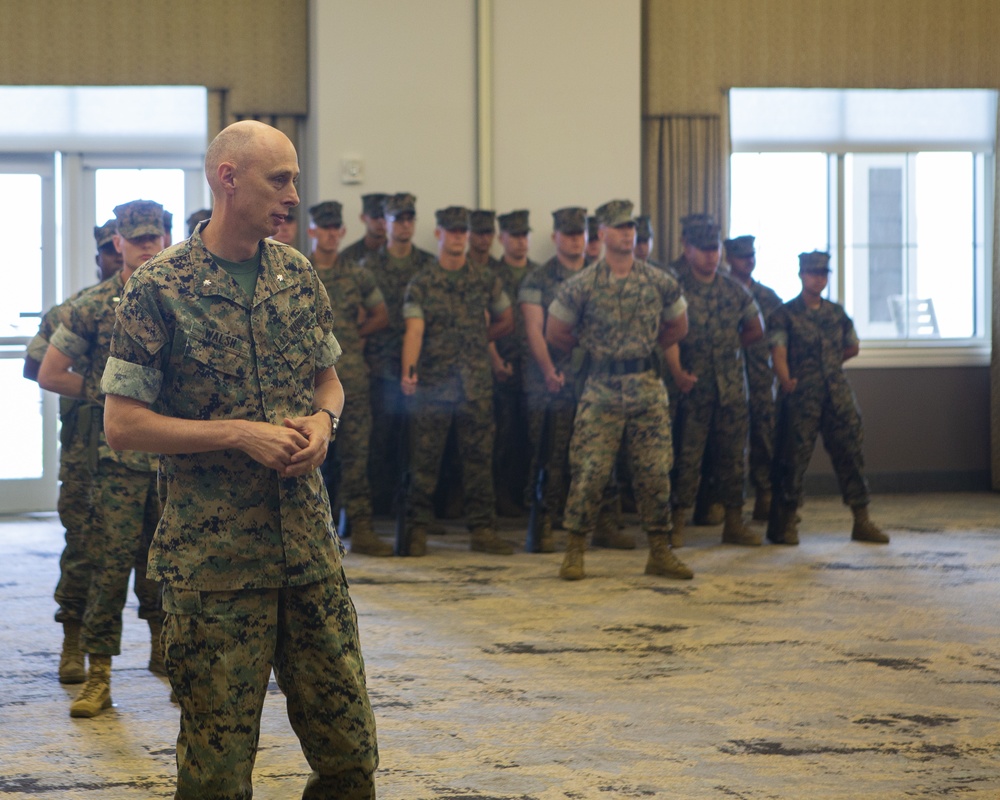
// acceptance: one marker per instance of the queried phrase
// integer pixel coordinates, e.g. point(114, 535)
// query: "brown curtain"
point(685, 170)
point(995, 350)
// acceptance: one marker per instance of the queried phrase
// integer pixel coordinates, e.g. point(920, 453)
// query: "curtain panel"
point(685, 170)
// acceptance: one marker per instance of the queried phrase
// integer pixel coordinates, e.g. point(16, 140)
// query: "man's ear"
point(227, 176)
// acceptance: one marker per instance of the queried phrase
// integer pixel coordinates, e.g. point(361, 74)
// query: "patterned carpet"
point(831, 670)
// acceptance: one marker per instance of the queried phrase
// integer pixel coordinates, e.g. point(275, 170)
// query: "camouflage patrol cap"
point(695, 221)
point(740, 247)
point(328, 214)
point(139, 218)
point(704, 237)
point(592, 228)
point(815, 262)
point(483, 221)
point(643, 228)
point(452, 218)
point(168, 220)
point(572, 219)
point(399, 203)
point(615, 213)
point(372, 204)
point(105, 233)
point(198, 216)
point(515, 222)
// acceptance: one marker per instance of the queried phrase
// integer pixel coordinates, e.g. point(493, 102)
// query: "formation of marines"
point(688, 379)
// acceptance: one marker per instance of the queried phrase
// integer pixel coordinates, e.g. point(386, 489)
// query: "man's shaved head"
point(252, 169)
point(236, 144)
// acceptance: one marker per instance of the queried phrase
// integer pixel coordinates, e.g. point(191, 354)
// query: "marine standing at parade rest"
point(618, 310)
point(79, 424)
point(592, 251)
point(761, 383)
point(358, 311)
point(707, 368)
point(507, 357)
point(644, 240)
point(482, 233)
point(123, 480)
point(393, 266)
point(231, 334)
point(811, 338)
point(551, 384)
point(445, 369)
point(373, 218)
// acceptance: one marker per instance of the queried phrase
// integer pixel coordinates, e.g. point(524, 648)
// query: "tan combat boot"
point(608, 532)
point(156, 647)
point(761, 507)
point(662, 560)
point(865, 530)
point(782, 525)
point(714, 514)
point(95, 696)
point(547, 541)
point(735, 532)
point(71, 663)
point(572, 565)
point(485, 540)
point(418, 541)
point(364, 541)
point(678, 519)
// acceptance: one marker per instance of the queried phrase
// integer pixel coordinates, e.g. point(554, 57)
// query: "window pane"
point(946, 248)
point(23, 403)
point(21, 200)
point(782, 199)
point(911, 245)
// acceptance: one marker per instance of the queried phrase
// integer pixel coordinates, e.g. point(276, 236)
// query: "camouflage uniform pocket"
point(196, 651)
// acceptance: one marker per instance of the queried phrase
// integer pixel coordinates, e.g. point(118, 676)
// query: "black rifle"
point(402, 546)
point(536, 516)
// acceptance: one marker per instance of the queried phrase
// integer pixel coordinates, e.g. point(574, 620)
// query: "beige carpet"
point(831, 670)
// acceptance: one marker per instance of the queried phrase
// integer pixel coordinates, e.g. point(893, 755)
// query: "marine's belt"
point(624, 366)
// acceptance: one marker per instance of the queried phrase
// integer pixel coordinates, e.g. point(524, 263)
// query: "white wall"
point(567, 107)
point(395, 83)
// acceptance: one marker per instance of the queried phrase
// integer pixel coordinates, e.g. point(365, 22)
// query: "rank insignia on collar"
point(281, 278)
point(207, 282)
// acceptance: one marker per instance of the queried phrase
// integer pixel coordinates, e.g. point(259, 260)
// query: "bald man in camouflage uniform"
point(393, 266)
point(811, 339)
point(618, 310)
point(78, 515)
point(761, 383)
point(231, 334)
point(353, 295)
point(707, 368)
point(123, 481)
point(445, 369)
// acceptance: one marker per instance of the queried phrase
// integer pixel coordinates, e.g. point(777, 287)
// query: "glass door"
point(28, 467)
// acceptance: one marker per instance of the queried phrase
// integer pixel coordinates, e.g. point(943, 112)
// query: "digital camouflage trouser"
point(130, 510)
point(809, 411)
point(635, 406)
point(429, 423)
point(219, 649)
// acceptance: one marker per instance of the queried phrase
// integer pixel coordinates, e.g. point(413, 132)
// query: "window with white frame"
point(897, 185)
